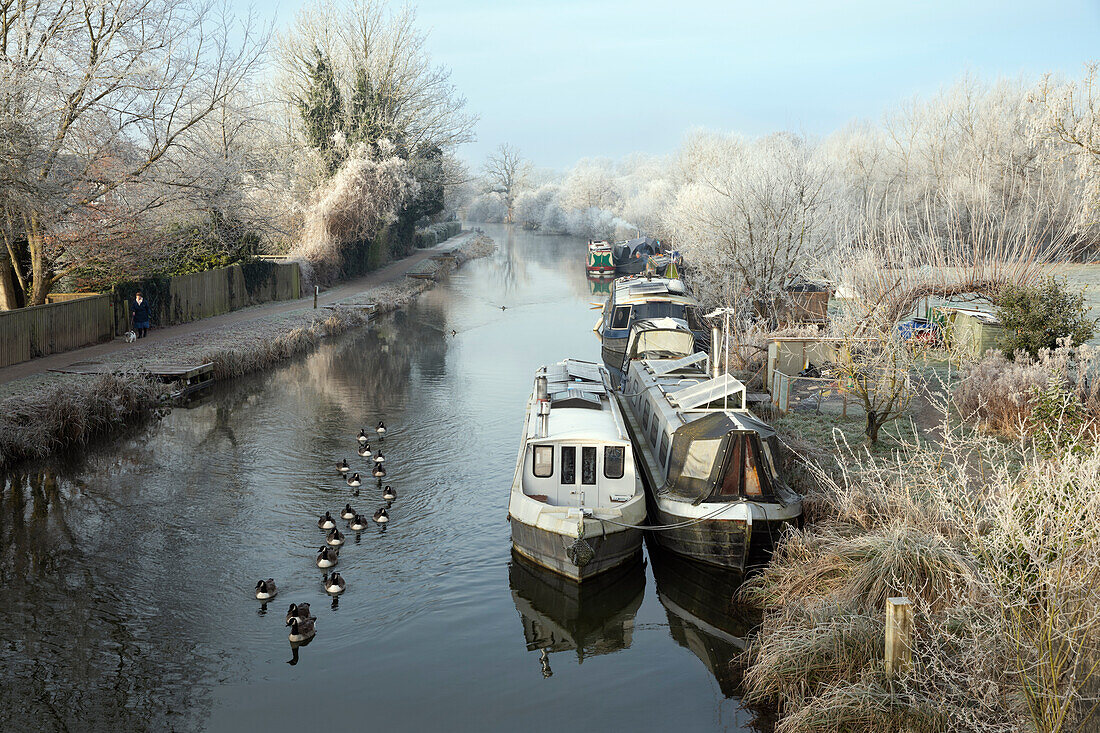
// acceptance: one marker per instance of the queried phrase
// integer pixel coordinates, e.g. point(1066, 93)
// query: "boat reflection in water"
point(595, 617)
point(599, 285)
point(703, 615)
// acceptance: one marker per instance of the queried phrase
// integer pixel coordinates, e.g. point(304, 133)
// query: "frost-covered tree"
point(506, 173)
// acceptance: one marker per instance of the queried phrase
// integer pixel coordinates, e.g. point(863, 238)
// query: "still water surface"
point(126, 577)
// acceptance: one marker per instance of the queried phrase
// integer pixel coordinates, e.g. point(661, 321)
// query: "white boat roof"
point(571, 382)
point(638, 289)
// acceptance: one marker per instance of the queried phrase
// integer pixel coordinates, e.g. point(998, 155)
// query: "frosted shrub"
point(1000, 394)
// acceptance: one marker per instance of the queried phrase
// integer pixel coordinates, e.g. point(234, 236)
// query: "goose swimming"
point(354, 480)
point(358, 524)
point(299, 611)
point(379, 470)
point(266, 590)
point(348, 512)
point(335, 537)
point(379, 458)
point(363, 435)
point(381, 516)
point(327, 557)
point(326, 521)
point(301, 629)
point(388, 493)
point(381, 429)
point(364, 450)
point(343, 466)
point(334, 584)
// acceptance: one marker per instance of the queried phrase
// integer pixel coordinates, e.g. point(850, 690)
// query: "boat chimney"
point(542, 397)
point(714, 351)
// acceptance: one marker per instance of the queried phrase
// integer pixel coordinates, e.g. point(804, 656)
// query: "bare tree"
point(505, 173)
point(115, 93)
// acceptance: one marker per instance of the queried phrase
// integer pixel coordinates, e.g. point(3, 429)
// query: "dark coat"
point(140, 311)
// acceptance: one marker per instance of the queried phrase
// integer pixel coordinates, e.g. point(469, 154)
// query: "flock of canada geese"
point(303, 626)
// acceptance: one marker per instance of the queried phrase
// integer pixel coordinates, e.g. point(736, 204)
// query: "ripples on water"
point(127, 576)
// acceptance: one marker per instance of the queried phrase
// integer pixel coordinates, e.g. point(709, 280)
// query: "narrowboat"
point(639, 298)
point(577, 501)
point(599, 262)
point(630, 257)
point(709, 465)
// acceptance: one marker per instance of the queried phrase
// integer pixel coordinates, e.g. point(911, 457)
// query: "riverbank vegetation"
point(139, 139)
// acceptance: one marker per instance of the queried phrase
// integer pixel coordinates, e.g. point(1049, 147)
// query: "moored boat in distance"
point(710, 466)
point(577, 498)
point(630, 257)
point(599, 261)
point(639, 298)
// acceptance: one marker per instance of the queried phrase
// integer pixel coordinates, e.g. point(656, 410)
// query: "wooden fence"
point(27, 333)
point(48, 329)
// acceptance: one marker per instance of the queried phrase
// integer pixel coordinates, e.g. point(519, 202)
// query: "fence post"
point(899, 636)
point(316, 292)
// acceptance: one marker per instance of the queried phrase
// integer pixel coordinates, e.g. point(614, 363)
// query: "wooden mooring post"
point(316, 292)
point(899, 636)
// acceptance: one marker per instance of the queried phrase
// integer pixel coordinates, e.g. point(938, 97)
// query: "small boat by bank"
point(599, 262)
point(710, 466)
point(576, 499)
point(630, 257)
point(639, 298)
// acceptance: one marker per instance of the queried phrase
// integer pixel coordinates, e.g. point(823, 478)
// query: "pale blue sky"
point(566, 80)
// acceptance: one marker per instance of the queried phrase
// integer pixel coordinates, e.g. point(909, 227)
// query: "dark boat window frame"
point(620, 317)
point(588, 469)
point(569, 471)
point(664, 451)
point(535, 462)
point(607, 451)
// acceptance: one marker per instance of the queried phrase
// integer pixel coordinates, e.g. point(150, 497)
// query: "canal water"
point(126, 576)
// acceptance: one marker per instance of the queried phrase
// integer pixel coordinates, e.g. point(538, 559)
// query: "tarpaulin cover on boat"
point(660, 336)
point(699, 454)
point(639, 247)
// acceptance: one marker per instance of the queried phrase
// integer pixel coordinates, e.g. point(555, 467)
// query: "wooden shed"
point(970, 330)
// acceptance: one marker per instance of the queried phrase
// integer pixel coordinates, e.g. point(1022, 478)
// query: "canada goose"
point(343, 466)
point(326, 521)
point(381, 429)
point(381, 516)
point(355, 480)
point(364, 450)
point(335, 538)
point(363, 435)
point(358, 524)
point(379, 470)
point(348, 512)
point(388, 493)
point(334, 584)
point(266, 590)
point(299, 611)
point(504, 307)
point(302, 629)
point(454, 332)
point(327, 557)
point(379, 458)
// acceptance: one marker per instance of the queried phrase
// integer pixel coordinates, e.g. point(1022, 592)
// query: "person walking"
point(140, 315)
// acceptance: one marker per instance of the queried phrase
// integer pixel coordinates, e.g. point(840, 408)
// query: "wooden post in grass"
point(899, 636)
point(316, 292)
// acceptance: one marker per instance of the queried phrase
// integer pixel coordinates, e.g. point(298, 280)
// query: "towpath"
point(393, 272)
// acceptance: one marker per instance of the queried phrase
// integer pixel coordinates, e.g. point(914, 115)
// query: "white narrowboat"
point(577, 499)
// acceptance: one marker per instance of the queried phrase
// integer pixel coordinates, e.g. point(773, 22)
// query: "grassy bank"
point(57, 412)
point(997, 547)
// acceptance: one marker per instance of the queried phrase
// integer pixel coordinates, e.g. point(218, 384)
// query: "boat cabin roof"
point(580, 407)
point(687, 391)
point(639, 289)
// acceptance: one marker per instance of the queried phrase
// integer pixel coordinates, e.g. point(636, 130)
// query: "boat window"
point(568, 465)
point(614, 461)
point(653, 431)
point(588, 465)
point(544, 461)
point(645, 417)
point(753, 485)
point(664, 450)
point(658, 309)
point(621, 317)
point(731, 482)
point(700, 458)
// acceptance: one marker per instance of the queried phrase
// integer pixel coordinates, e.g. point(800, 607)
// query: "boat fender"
point(580, 553)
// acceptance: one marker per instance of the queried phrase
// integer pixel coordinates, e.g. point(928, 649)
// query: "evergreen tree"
point(322, 110)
